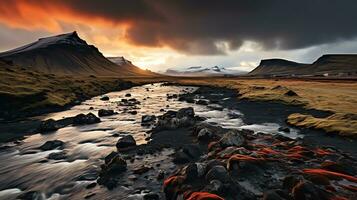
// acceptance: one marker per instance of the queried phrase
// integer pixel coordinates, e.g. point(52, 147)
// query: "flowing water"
point(24, 167)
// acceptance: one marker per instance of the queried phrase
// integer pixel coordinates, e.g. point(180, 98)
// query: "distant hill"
point(200, 71)
point(331, 65)
point(68, 54)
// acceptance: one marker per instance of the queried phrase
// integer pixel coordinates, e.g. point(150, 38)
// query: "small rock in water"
point(218, 172)
point(202, 102)
point(89, 118)
point(147, 119)
point(128, 95)
point(126, 142)
point(161, 175)
point(57, 156)
point(31, 195)
point(91, 185)
point(291, 93)
point(48, 125)
point(141, 170)
point(104, 98)
point(103, 112)
point(284, 129)
point(49, 145)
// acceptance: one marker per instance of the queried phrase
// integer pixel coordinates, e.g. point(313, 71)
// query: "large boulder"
point(89, 118)
point(126, 142)
point(185, 112)
point(218, 172)
point(103, 112)
point(104, 98)
point(53, 144)
point(232, 138)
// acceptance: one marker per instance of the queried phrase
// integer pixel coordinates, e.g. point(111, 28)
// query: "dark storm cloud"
point(198, 26)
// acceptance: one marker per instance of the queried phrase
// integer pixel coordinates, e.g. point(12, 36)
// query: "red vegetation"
point(203, 196)
point(330, 174)
point(173, 180)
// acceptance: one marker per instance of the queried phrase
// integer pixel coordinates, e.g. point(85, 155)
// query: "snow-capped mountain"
point(203, 71)
point(68, 54)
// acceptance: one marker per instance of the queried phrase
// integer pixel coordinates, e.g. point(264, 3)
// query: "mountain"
point(276, 67)
point(119, 60)
point(331, 65)
point(202, 71)
point(68, 54)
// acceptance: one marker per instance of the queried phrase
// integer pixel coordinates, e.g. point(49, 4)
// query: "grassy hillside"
point(25, 92)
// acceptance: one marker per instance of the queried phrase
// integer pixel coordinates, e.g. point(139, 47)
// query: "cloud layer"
point(199, 27)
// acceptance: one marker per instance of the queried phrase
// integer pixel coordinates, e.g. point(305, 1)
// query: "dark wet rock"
point(276, 195)
point(108, 175)
point(57, 156)
point(284, 129)
point(191, 172)
point(48, 126)
point(215, 186)
point(31, 195)
point(162, 110)
point(308, 191)
point(91, 108)
point(205, 134)
point(151, 196)
point(185, 112)
point(202, 102)
point(53, 144)
point(180, 157)
point(125, 142)
point(234, 115)
point(187, 153)
point(171, 96)
point(103, 112)
point(148, 119)
point(160, 175)
point(110, 157)
point(91, 185)
point(89, 118)
point(89, 196)
point(128, 95)
point(232, 138)
point(291, 93)
point(104, 98)
point(218, 172)
point(133, 112)
point(141, 170)
point(215, 107)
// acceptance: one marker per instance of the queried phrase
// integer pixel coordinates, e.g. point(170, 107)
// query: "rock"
point(48, 125)
point(232, 138)
point(151, 196)
point(192, 150)
point(110, 157)
point(215, 186)
point(205, 134)
point(141, 170)
point(185, 112)
point(284, 129)
point(161, 175)
point(125, 142)
point(276, 195)
point(53, 144)
point(291, 93)
point(91, 108)
point(218, 173)
point(128, 95)
point(148, 119)
point(133, 112)
point(116, 165)
point(89, 118)
point(103, 112)
point(104, 98)
point(31, 195)
point(91, 185)
point(202, 102)
point(307, 191)
point(180, 157)
point(191, 172)
point(57, 156)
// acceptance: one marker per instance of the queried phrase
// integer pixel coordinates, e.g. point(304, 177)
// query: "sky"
point(162, 34)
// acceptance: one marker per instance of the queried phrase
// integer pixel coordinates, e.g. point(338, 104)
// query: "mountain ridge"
point(68, 54)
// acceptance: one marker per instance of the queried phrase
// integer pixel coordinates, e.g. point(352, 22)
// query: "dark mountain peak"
point(278, 62)
point(332, 58)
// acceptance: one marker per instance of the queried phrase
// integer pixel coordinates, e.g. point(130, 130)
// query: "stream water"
point(24, 167)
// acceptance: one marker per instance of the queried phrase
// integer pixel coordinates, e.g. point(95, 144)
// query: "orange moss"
point(173, 180)
point(322, 152)
point(203, 196)
point(330, 174)
point(338, 198)
point(267, 151)
point(211, 145)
